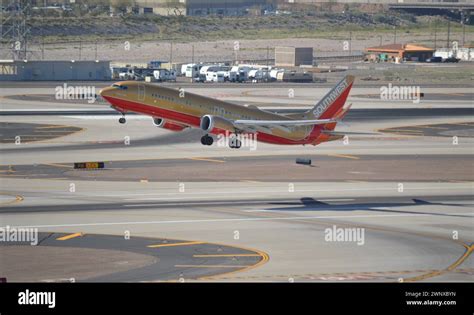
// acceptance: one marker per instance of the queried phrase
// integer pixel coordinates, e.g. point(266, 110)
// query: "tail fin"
point(331, 104)
point(341, 113)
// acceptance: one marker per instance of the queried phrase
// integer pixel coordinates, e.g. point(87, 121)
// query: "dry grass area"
point(145, 38)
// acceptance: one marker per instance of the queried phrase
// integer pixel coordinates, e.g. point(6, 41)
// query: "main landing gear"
point(234, 143)
point(207, 140)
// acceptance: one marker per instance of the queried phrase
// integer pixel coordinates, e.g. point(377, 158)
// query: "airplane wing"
point(343, 133)
point(282, 122)
point(266, 125)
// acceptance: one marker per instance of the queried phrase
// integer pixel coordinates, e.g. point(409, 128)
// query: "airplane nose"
point(104, 91)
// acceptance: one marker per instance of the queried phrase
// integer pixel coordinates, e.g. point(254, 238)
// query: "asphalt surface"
point(330, 168)
point(168, 260)
point(403, 181)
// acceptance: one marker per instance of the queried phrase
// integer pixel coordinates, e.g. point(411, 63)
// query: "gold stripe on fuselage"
point(198, 106)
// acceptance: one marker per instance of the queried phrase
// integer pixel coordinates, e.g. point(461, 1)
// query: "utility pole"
point(192, 60)
point(463, 31)
point(268, 61)
point(449, 33)
point(14, 29)
point(350, 43)
point(171, 52)
point(435, 32)
point(96, 50)
point(394, 34)
point(42, 47)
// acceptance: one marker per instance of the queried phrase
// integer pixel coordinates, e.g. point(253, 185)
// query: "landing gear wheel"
point(122, 120)
point(207, 140)
point(238, 143)
point(235, 143)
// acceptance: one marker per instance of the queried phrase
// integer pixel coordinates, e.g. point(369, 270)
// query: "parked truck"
point(164, 75)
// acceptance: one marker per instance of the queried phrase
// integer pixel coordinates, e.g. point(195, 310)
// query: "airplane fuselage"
point(182, 107)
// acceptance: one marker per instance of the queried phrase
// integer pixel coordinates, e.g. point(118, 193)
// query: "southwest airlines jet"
point(176, 110)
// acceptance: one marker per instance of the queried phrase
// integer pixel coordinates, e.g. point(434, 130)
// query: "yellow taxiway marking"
point(55, 131)
point(58, 165)
point(175, 244)
point(54, 127)
point(227, 255)
point(17, 199)
point(455, 94)
point(459, 261)
point(347, 156)
point(210, 266)
point(355, 181)
point(250, 181)
point(432, 127)
point(264, 260)
point(207, 160)
point(69, 236)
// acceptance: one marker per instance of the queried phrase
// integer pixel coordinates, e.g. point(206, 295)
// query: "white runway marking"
point(233, 202)
point(232, 220)
point(233, 193)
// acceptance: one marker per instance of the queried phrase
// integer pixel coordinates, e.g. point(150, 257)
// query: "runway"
point(406, 181)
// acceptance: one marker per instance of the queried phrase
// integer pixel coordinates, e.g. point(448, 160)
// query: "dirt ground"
point(222, 50)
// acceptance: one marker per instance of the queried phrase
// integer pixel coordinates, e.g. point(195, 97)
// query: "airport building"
point(199, 7)
point(293, 56)
point(43, 70)
point(399, 52)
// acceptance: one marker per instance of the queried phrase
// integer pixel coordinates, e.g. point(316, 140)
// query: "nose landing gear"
point(122, 120)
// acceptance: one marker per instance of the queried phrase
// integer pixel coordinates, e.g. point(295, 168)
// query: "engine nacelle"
point(160, 122)
point(209, 123)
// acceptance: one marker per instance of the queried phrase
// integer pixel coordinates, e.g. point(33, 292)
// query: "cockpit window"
point(122, 87)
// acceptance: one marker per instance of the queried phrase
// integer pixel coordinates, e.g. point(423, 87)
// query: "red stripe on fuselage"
point(190, 120)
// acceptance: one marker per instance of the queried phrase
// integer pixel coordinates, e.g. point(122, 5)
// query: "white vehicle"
point(217, 77)
point(126, 74)
point(184, 67)
point(164, 75)
point(256, 75)
point(192, 70)
point(210, 75)
point(274, 73)
point(232, 76)
point(220, 77)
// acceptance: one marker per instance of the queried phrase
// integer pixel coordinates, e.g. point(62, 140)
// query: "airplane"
point(177, 110)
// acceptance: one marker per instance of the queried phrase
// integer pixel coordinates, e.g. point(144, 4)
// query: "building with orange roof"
point(399, 52)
